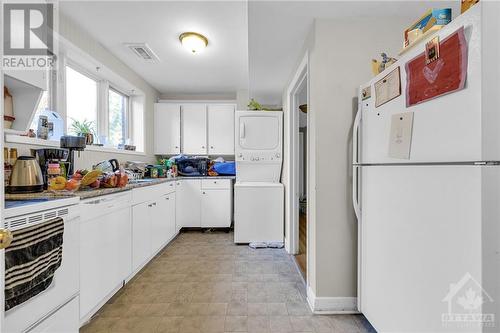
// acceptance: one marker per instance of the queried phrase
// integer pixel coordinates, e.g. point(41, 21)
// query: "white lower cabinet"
point(141, 234)
point(188, 210)
point(205, 203)
point(153, 221)
point(216, 208)
point(162, 216)
point(105, 249)
point(169, 213)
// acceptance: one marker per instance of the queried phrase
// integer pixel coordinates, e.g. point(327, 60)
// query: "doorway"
point(301, 97)
point(297, 240)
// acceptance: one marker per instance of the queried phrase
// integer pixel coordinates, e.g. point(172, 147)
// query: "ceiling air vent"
point(143, 51)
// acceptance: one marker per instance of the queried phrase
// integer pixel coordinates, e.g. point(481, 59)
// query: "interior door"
point(194, 129)
point(167, 128)
point(221, 129)
point(421, 232)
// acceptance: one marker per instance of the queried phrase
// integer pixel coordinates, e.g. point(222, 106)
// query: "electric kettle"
point(26, 176)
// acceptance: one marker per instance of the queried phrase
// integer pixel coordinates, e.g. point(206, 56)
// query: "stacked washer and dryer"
point(258, 193)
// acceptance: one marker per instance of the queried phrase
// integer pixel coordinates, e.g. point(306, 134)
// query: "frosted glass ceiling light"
point(193, 41)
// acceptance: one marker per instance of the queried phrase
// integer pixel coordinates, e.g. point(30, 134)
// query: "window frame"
point(83, 71)
point(128, 113)
point(102, 107)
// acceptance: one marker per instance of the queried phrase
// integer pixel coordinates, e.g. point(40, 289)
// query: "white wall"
point(81, 39)
point(339, 54)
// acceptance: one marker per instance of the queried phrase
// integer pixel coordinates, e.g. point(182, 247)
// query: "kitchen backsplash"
point(86, 159)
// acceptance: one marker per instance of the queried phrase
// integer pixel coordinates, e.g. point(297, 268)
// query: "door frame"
point(2, 191)
point(300, 77)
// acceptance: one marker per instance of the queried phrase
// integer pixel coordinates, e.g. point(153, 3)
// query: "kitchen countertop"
point(92, 193)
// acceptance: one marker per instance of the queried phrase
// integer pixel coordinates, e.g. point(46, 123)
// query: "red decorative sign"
point(445, 75)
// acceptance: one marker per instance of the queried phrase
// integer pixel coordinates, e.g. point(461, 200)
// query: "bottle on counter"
point(7, 167)
point(54, 180)
point(12, 156)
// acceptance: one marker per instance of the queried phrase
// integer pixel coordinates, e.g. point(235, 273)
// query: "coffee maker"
point(73, 144)
point(52, 155)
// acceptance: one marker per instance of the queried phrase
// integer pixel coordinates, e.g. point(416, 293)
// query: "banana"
point(90, 177)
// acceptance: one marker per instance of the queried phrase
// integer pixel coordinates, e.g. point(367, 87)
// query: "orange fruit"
point(72, 185)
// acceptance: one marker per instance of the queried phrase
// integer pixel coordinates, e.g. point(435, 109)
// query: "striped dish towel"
point(31, 261)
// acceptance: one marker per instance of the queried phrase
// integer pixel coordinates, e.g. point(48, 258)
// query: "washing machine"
point(258, 193)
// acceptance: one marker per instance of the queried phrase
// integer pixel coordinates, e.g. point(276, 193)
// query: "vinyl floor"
point(204, 283)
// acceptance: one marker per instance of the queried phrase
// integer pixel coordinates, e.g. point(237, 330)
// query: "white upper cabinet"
point(221, 129)
point(167, 129)
point(194, 129)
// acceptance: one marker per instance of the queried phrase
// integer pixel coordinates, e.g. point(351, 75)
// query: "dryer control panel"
point(259, 157)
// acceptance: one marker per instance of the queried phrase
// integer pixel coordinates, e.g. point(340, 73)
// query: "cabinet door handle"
point(167, 198)
point(204, 193)
point(203, 147)
point(211, 147)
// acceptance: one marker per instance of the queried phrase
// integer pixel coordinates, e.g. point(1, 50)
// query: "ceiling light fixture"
point(193, 41)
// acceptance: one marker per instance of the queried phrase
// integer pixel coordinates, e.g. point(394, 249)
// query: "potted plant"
point(83, 128)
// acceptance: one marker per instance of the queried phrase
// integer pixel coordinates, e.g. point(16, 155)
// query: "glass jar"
point(55, 182)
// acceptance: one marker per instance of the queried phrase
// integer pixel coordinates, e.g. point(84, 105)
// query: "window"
point(81, 102)
point(117, 117)
point(104, 108)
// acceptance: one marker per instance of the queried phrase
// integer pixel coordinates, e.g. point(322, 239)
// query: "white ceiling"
point(278, 29)
point(252, 45)
point(220, 70)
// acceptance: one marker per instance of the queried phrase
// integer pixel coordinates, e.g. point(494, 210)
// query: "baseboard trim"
point(331, 305)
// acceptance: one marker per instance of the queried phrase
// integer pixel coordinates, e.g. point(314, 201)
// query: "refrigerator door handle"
point(355, 136)
point(355, 192)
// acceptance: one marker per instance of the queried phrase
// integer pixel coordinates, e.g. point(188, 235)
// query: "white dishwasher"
point(105, 250)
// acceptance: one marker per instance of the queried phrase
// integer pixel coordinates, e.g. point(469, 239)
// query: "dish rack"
point(134, 174)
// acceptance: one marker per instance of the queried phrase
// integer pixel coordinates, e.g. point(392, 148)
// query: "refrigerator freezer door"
point(422, 231)
point(458, 127)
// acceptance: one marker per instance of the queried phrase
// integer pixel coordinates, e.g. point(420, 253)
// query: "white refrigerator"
point(428, 222)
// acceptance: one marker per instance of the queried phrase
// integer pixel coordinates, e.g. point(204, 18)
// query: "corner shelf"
point(426, 34)
point(12, 138)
